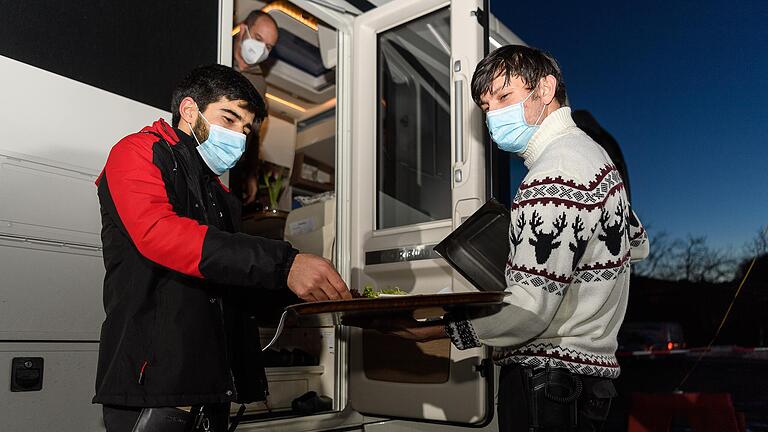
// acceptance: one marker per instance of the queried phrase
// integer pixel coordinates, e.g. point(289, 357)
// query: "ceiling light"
point(293, 12)
point(286, 103)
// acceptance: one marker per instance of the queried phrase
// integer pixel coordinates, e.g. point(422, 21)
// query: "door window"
point(414, 137)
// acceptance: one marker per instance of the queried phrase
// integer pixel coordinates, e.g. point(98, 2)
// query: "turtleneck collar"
point(552, 126)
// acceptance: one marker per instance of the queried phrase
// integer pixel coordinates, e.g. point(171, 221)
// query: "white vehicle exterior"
point(57, 132)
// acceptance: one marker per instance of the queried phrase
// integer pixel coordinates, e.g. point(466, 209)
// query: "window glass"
point(414, 138)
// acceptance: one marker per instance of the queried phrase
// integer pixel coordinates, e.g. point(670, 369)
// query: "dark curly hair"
point(529, 64)
point(209, 84)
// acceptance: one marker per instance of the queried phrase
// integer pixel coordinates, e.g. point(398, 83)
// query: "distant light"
point(286, 103)
point(670, 345)
point(494, 42)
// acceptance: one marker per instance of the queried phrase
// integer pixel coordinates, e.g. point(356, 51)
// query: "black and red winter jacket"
point(181, 283)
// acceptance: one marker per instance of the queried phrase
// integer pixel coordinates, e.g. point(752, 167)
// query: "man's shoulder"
point(138, 141)
point(573, 155)
point(575, 144)
point(255, 75)
point(570, 173)
point(134, 147)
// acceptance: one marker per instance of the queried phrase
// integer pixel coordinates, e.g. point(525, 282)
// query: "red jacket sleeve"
point(138, 191)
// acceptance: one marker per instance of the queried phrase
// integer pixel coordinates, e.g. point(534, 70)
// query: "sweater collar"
point(551, 127)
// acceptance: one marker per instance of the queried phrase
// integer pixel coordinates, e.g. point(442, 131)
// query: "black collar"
point(190, 144)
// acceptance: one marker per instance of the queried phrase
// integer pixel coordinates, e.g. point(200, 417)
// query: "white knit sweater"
point(572, 238)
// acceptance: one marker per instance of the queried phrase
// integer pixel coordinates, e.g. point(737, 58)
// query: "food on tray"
point(370, 292)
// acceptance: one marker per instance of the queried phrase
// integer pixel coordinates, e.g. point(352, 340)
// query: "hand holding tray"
point(359, 309)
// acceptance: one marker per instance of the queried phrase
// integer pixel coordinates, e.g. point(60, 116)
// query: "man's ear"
point(548, 86)
point(188, 110)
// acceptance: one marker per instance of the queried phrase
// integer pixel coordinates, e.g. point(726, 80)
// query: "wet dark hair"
point(209, 84)
point(529, 64)
point(255, 15)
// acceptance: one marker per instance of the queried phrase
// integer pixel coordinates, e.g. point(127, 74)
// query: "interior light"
point(494, 42)
point(293, 12)
point(286, 103)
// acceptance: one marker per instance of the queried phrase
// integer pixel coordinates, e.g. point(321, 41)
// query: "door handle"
point(458, 119)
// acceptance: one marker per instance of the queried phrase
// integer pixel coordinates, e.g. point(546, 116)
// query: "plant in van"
point(273, 180)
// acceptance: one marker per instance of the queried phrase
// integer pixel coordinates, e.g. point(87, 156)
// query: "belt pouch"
point(554, 395)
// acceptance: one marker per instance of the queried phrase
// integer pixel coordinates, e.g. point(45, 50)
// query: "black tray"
point(479, 248)
point(333, 312)
point(405, 303)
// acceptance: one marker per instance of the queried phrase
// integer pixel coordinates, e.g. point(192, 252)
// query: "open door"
point(419, 170)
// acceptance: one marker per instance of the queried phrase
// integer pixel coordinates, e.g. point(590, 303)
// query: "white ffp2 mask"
point(253, 51)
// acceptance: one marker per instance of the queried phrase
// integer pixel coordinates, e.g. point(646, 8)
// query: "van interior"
point(298, 150)
point(296, 161)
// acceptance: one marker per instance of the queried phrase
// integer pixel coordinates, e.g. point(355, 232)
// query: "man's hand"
point(313, 278)
point(402, 326)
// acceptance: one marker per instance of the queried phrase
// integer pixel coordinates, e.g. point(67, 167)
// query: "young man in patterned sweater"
point(572, 238)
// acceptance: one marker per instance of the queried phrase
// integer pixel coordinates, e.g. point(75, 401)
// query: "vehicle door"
point(419, 170)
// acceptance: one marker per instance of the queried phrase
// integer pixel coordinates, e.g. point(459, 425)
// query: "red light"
point(670, 345)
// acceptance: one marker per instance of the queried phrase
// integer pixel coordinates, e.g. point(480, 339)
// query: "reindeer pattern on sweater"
point(572, 236)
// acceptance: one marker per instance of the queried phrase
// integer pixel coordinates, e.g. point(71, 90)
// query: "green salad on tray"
point(370, 292)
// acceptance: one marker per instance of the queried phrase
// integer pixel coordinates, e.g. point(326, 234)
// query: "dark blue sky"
point(683, 87)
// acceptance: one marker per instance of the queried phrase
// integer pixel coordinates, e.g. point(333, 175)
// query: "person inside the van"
point(179, 341)
point(256, 38)
point(254, 41)
point(572, 238)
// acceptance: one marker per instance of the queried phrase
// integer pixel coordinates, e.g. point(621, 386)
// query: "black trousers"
point(122, 419)
point(515, 411)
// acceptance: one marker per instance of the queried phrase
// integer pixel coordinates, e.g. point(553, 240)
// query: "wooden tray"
point(421, 306)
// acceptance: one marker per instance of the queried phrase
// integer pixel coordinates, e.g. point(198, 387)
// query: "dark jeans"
point(514, 407)
point(122, 419)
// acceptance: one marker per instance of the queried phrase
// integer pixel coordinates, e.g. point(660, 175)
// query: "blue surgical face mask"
point(222, 149)
point(508, 127)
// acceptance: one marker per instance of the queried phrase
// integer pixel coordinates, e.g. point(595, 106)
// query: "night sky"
point(683, 87)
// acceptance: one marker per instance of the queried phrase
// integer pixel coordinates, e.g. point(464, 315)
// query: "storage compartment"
point(63, 402)
point(302, 360)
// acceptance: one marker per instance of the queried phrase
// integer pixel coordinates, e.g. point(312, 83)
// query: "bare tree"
point(661, 260)
point(691, 259)
point(758, 246)
point(698, 262)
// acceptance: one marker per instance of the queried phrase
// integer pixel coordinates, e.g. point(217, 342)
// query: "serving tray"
point(421, 306)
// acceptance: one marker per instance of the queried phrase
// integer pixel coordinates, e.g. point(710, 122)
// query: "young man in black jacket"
point(181, 280)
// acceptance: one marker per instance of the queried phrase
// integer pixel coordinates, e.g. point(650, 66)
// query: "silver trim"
point(278, 331)
point(403, 254)
point(50, 242)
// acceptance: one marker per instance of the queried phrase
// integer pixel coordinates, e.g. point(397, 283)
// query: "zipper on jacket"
point(226, 350)
point(141, 372)
point(199, 195)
